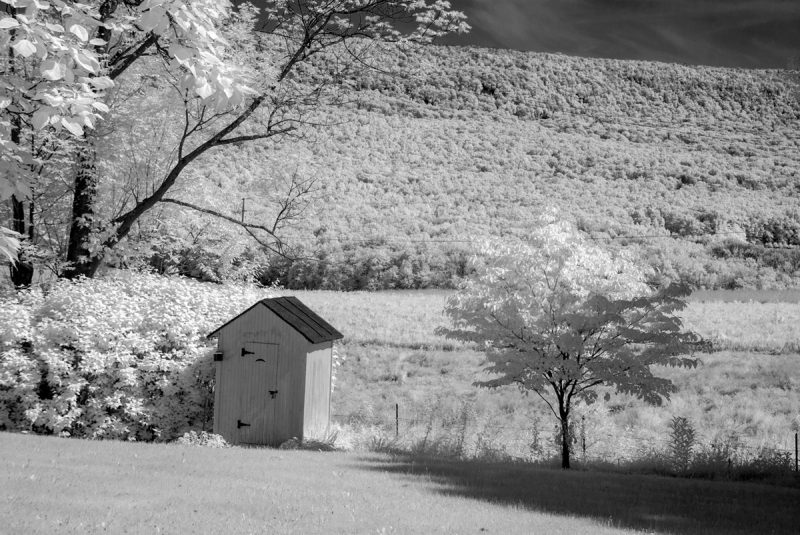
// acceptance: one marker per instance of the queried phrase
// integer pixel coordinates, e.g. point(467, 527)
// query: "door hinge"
point(273, 393)
point(240, 424)
point(246, 352)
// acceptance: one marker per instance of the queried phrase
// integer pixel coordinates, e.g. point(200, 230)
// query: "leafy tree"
point(51, 78)
point(560, 317)
point(215, 78)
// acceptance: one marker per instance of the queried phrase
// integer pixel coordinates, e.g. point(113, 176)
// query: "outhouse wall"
point(259, 324)
point(317, 411)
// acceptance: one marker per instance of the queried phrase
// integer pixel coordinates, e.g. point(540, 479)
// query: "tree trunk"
point(22, 271)
point(565, 439)
point(81, 260)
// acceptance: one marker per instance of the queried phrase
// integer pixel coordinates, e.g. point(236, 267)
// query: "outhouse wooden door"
point(258, 394)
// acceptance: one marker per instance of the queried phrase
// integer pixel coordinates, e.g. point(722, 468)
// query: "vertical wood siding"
point(258, 377)
point(317, 411)
point(302, 405)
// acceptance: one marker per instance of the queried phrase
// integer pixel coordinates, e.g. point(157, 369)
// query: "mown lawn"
point(52, 485)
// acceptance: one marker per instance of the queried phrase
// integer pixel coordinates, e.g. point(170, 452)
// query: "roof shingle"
point(304, 320)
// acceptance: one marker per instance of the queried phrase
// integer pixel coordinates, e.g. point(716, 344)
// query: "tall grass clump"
point(681, 441)
point(121, 357)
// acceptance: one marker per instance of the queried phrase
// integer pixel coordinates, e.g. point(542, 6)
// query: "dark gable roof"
point(304, 320)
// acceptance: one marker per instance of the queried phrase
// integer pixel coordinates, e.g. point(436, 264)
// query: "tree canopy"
point(560, 316)
point(64, 59)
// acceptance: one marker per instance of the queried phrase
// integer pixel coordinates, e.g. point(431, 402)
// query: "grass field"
point(52, 485)
point(745, 394)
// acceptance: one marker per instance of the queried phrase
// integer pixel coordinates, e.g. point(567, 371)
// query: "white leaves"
point(41, 117)
point(52, 70)
point(120, 326)
point(6, 23)
point(203, 89)
point(181, 53)
point(100, 106)
point(74, 127)
point(9, 244)
point(86, 61)
point(154, 20)
point(560, 311)
point(4, 102)
point(79, 31)
point(102, 82)
point(24, 48)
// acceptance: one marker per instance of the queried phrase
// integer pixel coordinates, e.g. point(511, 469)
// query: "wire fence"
point(468, 436)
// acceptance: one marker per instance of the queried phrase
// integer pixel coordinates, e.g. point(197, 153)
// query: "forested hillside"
point(694, 168)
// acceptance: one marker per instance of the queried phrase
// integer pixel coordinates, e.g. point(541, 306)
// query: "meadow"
point(745, 395)
point(457, 459)
point(59, 485)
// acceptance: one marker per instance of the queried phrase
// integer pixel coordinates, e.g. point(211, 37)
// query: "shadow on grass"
point(652, 503)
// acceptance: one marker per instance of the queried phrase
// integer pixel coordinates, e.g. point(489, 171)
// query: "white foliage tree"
point(559, 316)
point(62, 55)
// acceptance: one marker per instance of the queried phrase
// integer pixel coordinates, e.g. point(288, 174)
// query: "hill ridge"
point(468, 142)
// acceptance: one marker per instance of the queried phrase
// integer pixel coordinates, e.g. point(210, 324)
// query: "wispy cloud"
point(746, 33)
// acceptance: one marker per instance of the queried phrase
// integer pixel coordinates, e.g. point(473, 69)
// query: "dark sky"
point(735, 33)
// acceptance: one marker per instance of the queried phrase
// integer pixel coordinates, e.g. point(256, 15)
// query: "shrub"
point(681, 441)
point(766, 463)
point(207, 440)
point(122, 357)
point(714, 460)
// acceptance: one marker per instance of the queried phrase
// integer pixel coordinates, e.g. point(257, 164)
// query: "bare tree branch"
point(249, 227)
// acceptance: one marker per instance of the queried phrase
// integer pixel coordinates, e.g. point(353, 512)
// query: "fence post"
point(583, 436)
point(396, 420)
point(795, 451)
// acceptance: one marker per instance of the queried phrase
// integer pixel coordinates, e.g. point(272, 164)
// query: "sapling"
point(559, 316)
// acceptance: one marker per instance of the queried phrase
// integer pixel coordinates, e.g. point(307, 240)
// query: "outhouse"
point(273, 377)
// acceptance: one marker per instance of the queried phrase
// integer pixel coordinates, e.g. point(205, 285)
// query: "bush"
point(123, 357)
point(207, 440)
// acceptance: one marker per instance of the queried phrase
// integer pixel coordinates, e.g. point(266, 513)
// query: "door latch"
point(273, 393)
point(246, 352)
point(240, 424)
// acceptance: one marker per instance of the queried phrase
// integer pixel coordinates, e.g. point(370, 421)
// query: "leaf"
point(87, 62)
point(102, 82)
point(204, 90)
point(41, 117)
point(100, 106)
point(52, 70)
point(79, 31)
point(97, 42)
point(181, 53)
point(8, 23)
point(152, 18)
point(4, 102)
point(24, 48)
point(72, 125)
point(9, 244)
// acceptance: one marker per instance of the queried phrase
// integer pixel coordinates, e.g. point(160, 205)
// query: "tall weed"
point(681, 441)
